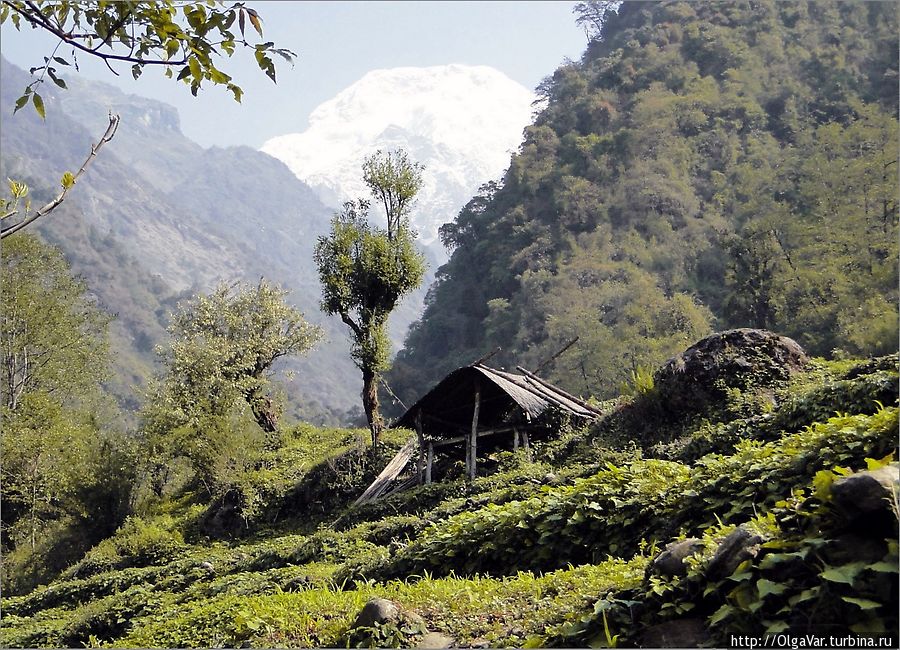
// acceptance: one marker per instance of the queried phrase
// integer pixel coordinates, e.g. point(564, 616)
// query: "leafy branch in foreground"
point(19, 191)
point(180, 37)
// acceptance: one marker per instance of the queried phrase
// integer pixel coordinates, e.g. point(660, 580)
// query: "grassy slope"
point(537, 553)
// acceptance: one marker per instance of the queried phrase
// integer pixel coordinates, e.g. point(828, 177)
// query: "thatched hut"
point(478, 408)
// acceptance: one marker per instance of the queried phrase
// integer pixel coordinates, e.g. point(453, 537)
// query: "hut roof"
point(505, 396)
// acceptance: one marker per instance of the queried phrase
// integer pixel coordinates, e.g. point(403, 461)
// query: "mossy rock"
point(743, 359)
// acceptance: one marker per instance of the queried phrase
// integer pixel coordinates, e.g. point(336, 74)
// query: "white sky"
point(337, 43)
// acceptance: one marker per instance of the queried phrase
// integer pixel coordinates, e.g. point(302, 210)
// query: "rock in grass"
point(436, 640)
point(377, 610)
point(868, 491)
point(671, 561)
point(740, 545)
point(740, 358)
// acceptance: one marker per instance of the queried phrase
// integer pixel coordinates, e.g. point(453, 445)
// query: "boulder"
point(740, 358)
point(671, 561)
point(377, 610)
point(868, 491)
point(740, 545)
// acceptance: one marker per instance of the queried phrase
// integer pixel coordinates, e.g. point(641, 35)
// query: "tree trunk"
point(264, 411)
point(370, 403)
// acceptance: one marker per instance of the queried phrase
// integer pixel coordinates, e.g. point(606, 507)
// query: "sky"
point(337, 43)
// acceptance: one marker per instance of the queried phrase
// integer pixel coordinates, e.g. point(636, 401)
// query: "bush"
point(136, 544)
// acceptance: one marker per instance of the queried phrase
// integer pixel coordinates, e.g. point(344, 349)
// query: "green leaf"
point(194, 65)
point(68, 180)
point(38, 102)
point(172, 46)
point(843, 574)
point(862, 603)
point(721, 614)
point(20, 102)
point(777, 627)
point(884, 567)
point(873, 464)
point(767, 587)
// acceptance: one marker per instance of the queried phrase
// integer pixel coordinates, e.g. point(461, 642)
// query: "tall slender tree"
point(365, 270)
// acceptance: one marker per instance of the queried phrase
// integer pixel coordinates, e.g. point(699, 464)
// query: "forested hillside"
point(705, 165)
point(159, 218)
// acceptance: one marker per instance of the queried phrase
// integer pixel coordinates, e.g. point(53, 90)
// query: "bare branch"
point(52, 205)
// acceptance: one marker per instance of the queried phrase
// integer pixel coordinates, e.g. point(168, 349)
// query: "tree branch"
point(34, 16)
point(107, 136)
point(351, 324)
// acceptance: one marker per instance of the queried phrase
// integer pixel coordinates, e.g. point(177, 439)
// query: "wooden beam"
point(389, 473)
point(421, 466)
point(473, 436)
point(429, 463)
point(557, 389)
point(481, 434)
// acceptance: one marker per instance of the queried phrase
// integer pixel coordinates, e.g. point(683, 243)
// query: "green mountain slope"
point(705, 165)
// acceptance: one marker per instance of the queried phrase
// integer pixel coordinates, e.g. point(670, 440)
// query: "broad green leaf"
point(862, 603)
point(842, 574)
point(872, 464)
point(721, 614)
point(38, 102)
point(194, 65)
point(884, 567)
point(776, 627)
point(767, 587)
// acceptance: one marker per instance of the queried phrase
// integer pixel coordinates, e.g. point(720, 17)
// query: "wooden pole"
point(473, 437)
point(515, 439)
point(429, 463)
point(421, 466)
point(526, 445)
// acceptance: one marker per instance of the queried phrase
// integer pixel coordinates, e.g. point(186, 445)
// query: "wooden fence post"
point(421, 464)
point(473, 437)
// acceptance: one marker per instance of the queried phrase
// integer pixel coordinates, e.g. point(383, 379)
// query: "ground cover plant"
point(554, 551)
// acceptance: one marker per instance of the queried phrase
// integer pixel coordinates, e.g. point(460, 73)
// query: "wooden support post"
point(420, 468)
point(526, 445)
point(515, 439)
point(429, 463)
point(473, 437)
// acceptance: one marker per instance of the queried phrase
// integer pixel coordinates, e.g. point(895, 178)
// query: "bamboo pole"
point(473, 437)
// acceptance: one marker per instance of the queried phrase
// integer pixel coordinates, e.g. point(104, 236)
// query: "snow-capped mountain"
point(462, 122)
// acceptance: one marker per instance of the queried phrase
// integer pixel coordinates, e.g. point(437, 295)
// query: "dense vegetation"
point(550, 552)
point(704, 166)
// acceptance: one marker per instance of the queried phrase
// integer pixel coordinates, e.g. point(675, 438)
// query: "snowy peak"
point(462, 122)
